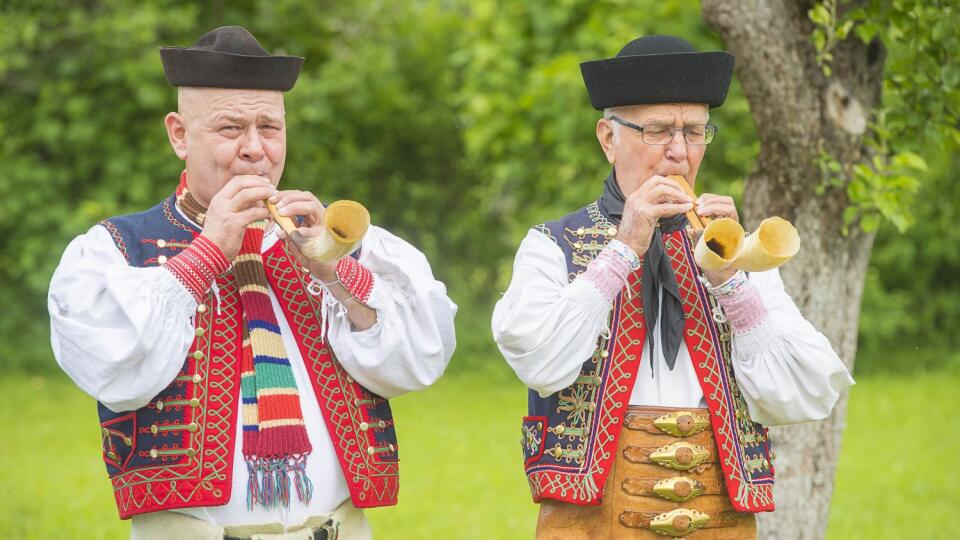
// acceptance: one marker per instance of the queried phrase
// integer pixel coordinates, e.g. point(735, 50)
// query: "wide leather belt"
point(666, 480)
point(678, 522)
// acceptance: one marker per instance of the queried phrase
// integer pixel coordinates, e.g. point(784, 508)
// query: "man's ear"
point(177, 133)
point(605, 136)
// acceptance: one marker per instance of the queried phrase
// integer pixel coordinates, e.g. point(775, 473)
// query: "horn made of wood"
point(724, 243)
point(344, 225)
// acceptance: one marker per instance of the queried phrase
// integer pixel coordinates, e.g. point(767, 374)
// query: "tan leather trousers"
point(665, 481)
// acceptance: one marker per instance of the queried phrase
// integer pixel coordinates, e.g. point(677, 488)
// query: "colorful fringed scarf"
point(275, 443)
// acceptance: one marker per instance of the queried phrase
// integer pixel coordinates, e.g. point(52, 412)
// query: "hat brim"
point(214, 69)
point(691, 77)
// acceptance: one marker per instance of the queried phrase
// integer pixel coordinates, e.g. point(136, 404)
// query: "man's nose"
point(251, 148)
point(677, 147)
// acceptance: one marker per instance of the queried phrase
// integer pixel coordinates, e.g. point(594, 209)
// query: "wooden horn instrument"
point(724, 243)
point(344, 225)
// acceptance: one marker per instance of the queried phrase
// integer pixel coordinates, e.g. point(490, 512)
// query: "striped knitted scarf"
point(275, 443)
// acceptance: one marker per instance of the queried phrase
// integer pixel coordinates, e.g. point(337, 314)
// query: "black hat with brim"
point(658, 69)
point(229, 57)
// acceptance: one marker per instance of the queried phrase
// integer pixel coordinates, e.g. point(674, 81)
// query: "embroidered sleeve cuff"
point(197, 266)
point(355, 278)
point(743, 307)
point(608, 273)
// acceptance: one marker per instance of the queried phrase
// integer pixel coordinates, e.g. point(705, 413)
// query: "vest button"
point(202, 308)
point(154, 454)
point(112, 456)
point(198, 332)
point(154, 429)
point(191, 452)
point(193, 427)
point(162, 259)
point(364, 426)
point(371, 450)
point(382, 424)
point(194, 402)
point(197, 378)
point(197, 355)
point(161, 243)
point(159, 405)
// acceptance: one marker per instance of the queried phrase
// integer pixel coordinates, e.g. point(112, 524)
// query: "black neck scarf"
point(657, 273)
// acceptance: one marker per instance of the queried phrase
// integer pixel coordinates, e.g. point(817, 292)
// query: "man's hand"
point(715, 206)
point(238, 204)
point(656, 198)
point(303, 203)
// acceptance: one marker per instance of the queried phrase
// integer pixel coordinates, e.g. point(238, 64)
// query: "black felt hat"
point(658, 69)
point(229, 57)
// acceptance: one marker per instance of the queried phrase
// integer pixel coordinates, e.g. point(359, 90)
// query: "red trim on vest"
point(701, 339)
point(373, 480)
point(584, 485)
point(204, 478)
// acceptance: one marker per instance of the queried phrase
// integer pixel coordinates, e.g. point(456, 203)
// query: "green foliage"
point(913, 282)
point(919, 116)
point(460, 124)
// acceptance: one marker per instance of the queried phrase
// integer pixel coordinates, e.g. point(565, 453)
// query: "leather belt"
point(327, 531)
point(666, 480)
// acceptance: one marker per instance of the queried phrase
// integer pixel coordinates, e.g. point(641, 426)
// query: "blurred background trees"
point(460, 124)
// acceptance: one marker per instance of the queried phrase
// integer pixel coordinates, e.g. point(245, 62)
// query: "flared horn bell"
point(344, 225)
point(720, 244)
point(723, 245)
point(774, 242)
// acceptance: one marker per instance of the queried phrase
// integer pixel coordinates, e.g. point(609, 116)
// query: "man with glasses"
point(652, 380)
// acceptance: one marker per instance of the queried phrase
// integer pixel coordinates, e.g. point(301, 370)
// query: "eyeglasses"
point(695, 134)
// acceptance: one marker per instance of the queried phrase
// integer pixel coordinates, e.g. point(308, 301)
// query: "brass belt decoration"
point(679, 488)
point(665, 482)
point(681, 456)
point(682, 423)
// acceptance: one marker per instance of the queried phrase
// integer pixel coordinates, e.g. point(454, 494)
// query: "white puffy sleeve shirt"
point(547, 326)
point(121, 332)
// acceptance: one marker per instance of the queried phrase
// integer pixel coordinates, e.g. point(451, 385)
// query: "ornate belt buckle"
point(679, 522)
point(682, 423)
point(681, 456)
point(679, 488)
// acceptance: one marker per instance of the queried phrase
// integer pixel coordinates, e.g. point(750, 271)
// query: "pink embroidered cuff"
point(743, 307)
point(197, 266)
point(608, 273)
point(355, 278)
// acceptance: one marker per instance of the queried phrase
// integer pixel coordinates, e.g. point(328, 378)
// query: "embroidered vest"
point(178, 451)
point(570, 438)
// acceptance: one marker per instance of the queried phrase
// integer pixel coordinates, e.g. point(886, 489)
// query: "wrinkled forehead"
point(688, 113)
point(193, 102)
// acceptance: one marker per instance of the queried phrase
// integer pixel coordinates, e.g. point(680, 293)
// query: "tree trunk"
point(799, 112)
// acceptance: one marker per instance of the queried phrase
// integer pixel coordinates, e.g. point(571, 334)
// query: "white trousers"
point(352, 525)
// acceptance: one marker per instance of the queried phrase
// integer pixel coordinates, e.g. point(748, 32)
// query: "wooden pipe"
point(697, 222)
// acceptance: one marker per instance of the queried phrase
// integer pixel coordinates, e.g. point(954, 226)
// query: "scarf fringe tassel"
point(268, 482)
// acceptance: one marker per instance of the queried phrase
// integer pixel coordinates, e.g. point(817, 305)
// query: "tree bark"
point(799, 112)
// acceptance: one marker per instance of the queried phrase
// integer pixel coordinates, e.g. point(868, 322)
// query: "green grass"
point(462, 478)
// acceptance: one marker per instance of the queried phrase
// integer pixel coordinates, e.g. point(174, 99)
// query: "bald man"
point(242, 388)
